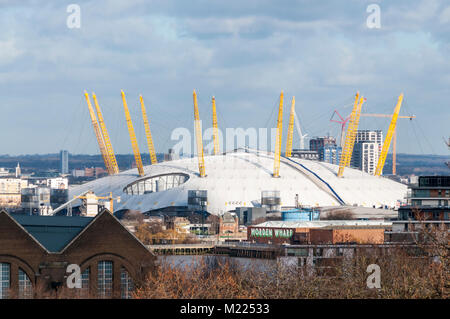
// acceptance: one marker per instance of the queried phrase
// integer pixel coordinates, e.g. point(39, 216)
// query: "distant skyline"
point(242, 52)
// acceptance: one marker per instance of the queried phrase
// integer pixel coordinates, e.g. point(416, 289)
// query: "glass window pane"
point(126, 284)
point(4, 280)
point(104, 278)
point(25, 286)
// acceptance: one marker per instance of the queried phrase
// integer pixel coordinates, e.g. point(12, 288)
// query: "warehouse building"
point(36, 251)
point(319, 232)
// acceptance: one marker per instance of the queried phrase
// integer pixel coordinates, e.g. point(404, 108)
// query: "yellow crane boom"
point(98, 135)
point(134, 144)
point(148, 133)
point(199, 139)
point(215, 127)
point(290, 134)
point(108, 145)
point(394, 138)
point(387, 140)
point(349, 142)
point(277, 157)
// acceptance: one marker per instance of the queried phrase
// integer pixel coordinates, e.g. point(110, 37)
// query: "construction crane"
point(343, 122)
point(351, 134)
point(199, 139)
point(148, 133)
point(134, 144)
point(290, 133)
point(108, 145)
point(387, 140)
point(394, 138)
point(277, 157)
point(111, 200)
point(215, 127)
point(98, 135)
point(91, 202)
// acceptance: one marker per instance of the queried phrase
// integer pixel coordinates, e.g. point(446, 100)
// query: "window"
point(105, 278)
point(85, 280)
point(25, 286)
point(4, 280)
point(126, 284)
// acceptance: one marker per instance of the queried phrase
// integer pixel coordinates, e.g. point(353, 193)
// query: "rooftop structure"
point(237, 179)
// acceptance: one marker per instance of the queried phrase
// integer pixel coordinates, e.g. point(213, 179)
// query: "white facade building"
point(367, 149)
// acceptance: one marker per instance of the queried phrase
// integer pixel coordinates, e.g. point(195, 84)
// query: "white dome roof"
point(237, 179)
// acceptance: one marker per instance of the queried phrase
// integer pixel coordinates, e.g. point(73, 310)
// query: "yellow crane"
point(290, 134)
point(199, 139)
point(349, 142)
point(148, 133)
point(90, 195)
point(277, 157)
point(134, 144)
point(108, 145)
point(387, 140)
point(98, 135)
point(215, 128)
point(394, 138)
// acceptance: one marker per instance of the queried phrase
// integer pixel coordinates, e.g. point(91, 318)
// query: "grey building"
point(64, 160)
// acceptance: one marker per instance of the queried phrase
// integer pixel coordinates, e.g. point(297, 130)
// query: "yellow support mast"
point(98, 135)
point(215, 128)
point(108, 145)
point(148, 133)
point(134, 144)
point(349, 142)
point(354, 130)
point(199, 139)
point(276, 163)
point(389, 135)
point(290, 129)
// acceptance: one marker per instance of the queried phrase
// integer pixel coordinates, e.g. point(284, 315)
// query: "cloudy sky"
point(242, 52)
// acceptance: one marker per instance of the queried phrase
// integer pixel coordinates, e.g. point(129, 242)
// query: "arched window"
point(25, 286)
point(126, 284)
point(85, 276)
point(105, 278)
point(5, 283)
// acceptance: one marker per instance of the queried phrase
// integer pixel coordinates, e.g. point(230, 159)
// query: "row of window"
point(104, 281)
point(25, 286)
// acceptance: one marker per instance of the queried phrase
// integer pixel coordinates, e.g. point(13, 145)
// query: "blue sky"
point(242, 52)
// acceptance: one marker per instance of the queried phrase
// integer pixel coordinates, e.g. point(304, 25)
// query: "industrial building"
point(318, 232)
point(36, 251)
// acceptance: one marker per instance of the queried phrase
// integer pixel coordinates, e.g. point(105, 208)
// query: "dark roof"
point(53, 232)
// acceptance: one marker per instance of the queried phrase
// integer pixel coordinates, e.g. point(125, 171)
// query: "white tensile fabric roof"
point(237, 179)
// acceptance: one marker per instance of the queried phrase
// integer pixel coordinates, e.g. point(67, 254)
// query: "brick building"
point(319, 232)
point(228, 224)
point(36, 250)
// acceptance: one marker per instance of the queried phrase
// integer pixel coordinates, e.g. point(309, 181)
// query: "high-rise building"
point(64, 159)
point(368, 144)
point(18, 171)
point(315, 144)
point(326, 149)
point(330, 154)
